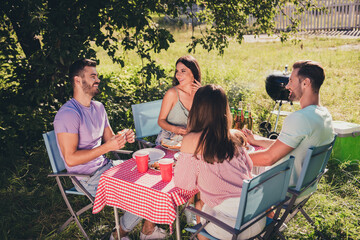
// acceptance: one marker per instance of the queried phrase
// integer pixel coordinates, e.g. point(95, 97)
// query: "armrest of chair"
point(68, 175)
point(213, 220)
point(144, 142)
point(121, 151)
point(298, 192)
point(75, 181)
point(78, 184)
point(293, 191)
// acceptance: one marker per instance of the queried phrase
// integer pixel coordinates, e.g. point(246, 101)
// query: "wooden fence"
point(334, 15)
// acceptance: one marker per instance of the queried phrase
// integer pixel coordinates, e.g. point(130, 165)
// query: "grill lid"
point(275, 86)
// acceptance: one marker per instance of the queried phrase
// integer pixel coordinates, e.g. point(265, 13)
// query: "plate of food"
point(173, 143)
point(154, 153)
point(155, 165)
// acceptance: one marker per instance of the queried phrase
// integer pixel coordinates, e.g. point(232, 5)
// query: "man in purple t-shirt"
point(84, 135)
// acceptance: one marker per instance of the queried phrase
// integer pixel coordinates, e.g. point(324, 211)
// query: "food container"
point(347, 144)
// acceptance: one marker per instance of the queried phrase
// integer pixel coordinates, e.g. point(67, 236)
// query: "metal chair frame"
point(277, 177)
point(59, 171)
point(58, 168)
point(314, 167)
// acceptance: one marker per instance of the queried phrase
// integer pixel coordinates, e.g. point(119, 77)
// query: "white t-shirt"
point(308, 127)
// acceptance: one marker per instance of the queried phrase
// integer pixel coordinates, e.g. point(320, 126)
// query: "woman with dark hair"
point(214, 161)
point(178, 99)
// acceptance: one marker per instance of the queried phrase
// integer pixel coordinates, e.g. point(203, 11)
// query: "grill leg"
point(278, 115)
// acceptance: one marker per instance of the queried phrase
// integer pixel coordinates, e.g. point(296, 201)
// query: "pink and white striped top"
point(215, 182)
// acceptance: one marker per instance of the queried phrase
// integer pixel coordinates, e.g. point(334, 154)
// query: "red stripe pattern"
point(143, 194)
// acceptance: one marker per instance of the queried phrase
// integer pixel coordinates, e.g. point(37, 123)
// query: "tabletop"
point(143, 194)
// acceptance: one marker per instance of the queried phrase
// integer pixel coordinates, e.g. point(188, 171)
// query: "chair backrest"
point(145, 118)
point(56, 161)
point(314, 164)
point(264, 191)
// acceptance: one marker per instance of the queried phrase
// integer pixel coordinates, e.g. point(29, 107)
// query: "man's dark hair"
point(76, 69)
point(312, 70)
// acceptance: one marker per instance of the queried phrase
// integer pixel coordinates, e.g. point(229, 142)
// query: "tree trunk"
point(23, 25)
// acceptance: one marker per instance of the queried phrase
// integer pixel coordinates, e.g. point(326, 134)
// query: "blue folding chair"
point(260, 195)
point(145, 118)
point(58, 167)
point(314, 167)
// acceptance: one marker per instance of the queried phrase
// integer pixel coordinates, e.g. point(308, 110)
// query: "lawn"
point(32, 207)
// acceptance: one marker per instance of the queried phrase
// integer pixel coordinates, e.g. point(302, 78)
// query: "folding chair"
point(145, 118)
point(314, 167)
point(58, 167)
point(260, 195)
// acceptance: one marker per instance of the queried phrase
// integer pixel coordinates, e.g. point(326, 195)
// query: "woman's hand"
point(180, 130)
point(195, 86)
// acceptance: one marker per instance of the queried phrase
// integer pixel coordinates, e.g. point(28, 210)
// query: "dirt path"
point(336, 34)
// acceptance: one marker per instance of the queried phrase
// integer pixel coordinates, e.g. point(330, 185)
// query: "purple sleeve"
point(107, 123)
point(67, 121)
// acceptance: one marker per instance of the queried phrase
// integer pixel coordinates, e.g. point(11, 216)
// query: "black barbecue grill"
point(275, 87)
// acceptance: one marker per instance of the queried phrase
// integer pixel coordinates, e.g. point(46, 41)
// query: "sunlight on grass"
point(32, 206)
point(243, 69)
point(248, 65)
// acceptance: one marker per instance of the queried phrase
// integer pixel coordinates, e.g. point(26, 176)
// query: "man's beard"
point(87, 88)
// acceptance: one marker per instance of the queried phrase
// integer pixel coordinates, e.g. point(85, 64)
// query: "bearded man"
point(309, 126)
point(84, 135)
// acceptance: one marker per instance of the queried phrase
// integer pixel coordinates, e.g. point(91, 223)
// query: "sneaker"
point(190, 218)
point(158, 233)
point(282, 227)
point(113, 236)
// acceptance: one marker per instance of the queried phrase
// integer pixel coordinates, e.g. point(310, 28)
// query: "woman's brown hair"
point(210, 114)
point(191, 63)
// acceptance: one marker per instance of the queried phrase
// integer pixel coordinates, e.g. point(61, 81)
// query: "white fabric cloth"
point(227, 212)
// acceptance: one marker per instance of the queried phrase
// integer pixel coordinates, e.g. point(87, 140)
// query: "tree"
point(41, 38)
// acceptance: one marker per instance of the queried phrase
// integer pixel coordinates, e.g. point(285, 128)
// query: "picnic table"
point(143, 194)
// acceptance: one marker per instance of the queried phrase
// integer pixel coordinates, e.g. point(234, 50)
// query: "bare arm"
point(168, 102)
point(108, 134)
point(68, 143)
point(271, 155)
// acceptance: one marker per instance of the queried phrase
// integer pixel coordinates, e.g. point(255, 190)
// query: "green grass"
point(247, 65)
point(32, 207)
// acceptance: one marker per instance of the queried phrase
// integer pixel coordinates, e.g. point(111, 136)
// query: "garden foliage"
point(39, 39)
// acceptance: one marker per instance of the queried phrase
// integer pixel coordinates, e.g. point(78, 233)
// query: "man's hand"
point(249, 136)
point(129, 135)
point(117, 142)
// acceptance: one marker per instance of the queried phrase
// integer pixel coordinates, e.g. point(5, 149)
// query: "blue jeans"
point(128, 221)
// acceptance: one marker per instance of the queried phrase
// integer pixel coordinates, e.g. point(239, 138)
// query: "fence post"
point(351, 15)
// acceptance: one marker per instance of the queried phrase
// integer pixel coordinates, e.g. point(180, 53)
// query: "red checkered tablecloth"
point(143, 194)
